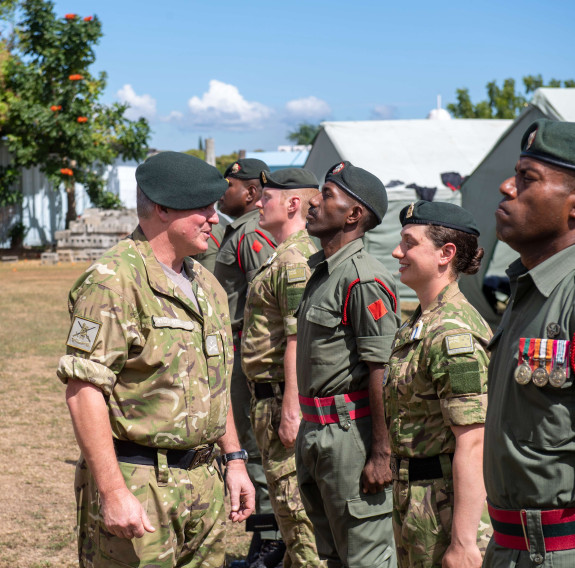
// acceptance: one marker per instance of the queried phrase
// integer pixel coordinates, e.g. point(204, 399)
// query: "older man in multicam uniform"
point(269, 344)
point(147, 371)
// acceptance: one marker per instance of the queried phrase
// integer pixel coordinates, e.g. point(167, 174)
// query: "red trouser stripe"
point(333, 418)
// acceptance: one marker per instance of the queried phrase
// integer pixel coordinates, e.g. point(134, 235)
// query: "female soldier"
point(436, 393)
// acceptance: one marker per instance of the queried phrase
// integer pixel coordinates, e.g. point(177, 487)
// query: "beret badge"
point(338, 168)
point(236, 168)
point(410, 211)
point(531, 139)
point(264, 178)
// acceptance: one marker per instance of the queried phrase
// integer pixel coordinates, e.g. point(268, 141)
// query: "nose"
point(508, 187)
point(213, 215)
point(397, 253)
point(314, 201)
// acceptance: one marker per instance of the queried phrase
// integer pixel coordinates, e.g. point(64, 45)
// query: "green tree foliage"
point(501, 102)
point(53, 118)
point(305, 133)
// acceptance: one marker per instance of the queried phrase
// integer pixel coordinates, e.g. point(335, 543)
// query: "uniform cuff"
point(374, 349)
point(71, 367)
point(464, 410)
point(290, 326)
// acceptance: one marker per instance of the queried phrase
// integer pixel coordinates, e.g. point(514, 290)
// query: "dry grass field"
point(37, 448)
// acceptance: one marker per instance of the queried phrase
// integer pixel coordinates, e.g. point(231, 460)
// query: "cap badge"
point(531, 139)
point(236, 168)
point(264, 178)
point(410, 211)
point(338, 168)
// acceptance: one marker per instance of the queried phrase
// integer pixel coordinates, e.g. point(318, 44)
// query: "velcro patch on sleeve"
point(465, 377)
point(294, 297)
point(295, 275)
point(377, 309)
point(257, 246)
point(460, 343)
point(83, 334)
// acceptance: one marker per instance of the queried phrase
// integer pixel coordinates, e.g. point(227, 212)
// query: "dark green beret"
point(439, 213)
point(180, 181)
point(246, 168)
point(289, 178)
point(550, 141)
point(361, 185)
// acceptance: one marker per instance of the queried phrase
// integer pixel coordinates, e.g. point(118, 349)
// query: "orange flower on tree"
point(88, 18)
point(82, 119)
point(66, 172)
point(56, 108)
point(70, 16)
point(76, 77)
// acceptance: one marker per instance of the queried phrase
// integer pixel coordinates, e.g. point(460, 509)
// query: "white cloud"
point(384, 112)
point(308, 108)
point(223, 106)
point(140, 105)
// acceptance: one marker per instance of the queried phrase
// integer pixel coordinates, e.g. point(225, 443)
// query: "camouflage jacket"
point(243, 250)
point(273, 297)
point(162, 365)
point(437, 376)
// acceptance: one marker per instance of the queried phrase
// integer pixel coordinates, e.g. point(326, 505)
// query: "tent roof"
point(558, 104)
point(281, 159)
point(413, 151)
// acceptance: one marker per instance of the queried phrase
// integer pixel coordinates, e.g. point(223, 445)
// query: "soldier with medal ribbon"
point(436, 394)
point(529, 452)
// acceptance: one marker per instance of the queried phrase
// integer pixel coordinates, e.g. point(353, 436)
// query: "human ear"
point(447, 254)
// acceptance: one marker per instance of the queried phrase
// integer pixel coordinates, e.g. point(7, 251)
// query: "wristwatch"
point(241, 455)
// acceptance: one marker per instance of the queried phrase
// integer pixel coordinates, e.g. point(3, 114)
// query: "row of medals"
point(540, 377)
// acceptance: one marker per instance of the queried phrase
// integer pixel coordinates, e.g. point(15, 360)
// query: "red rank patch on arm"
point(257, 246)
point(377, 309)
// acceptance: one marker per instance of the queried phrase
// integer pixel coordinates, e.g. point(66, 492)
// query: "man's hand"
point(376, 475)
point(289, 427)
point(459, 556)
point(241, 490)
point(123, 515)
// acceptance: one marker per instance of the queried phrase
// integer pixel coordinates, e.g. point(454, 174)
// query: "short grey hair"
point(144, 205)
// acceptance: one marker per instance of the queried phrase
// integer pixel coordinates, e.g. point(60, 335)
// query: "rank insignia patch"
point(212, 347)
point(377, 309)
point(257, 246)
point(83, 334)
point(460, 343)
point(295, 275)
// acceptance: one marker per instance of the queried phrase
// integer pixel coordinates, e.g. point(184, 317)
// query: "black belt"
point(130, 452)
point(420, 468)
point(265, 390)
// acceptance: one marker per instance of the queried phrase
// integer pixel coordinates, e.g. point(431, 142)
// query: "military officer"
point(347, 319)
point(436, 394)
point(244, 248)
point(147, 368)
point(269, 343)
point(529, 452)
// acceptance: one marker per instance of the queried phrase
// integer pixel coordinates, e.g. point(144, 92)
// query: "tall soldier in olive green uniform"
point(529, 458)
point(244, 248)
point(269, 351)
point(147, 371)
point(346, 323)
point(436, 394)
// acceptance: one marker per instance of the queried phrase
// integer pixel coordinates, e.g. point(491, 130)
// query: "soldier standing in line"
point(244, 248)
point(529, 457)
point(347, 320)
point(147, 371)
point(436, 394)
point(269, 344)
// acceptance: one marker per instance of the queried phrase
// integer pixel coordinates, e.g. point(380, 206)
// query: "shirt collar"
point(549, 273)
point(338, 258)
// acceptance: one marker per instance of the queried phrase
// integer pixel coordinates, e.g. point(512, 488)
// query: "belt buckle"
point(201, 456)
point(319, 410)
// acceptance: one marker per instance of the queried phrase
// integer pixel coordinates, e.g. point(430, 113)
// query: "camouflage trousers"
point(187, 511)
point(422, 518)
point(279, 466)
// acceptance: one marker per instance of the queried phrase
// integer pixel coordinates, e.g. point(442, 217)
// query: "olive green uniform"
point(529, 456)
point(273, 297)
point(244, 248)
point(437, 379)
point(163, 365)
point(347, 318)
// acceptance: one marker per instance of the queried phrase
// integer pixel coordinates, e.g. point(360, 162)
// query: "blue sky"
point(245, 73)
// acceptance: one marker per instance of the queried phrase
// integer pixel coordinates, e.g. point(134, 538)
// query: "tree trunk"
point(71, 214)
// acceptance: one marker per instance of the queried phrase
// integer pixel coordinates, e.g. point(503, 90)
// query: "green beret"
point(550, 141)
point(246, 168)
point(289, 178)
point(180, 181)
point(439, 213)
point(361, 185)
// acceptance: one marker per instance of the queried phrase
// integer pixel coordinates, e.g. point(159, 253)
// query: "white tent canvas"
point(480, 192)
point(401, 153)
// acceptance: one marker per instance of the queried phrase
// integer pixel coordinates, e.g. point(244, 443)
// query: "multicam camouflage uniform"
point(437, 378)
point(273, 297)
point(163, 367)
